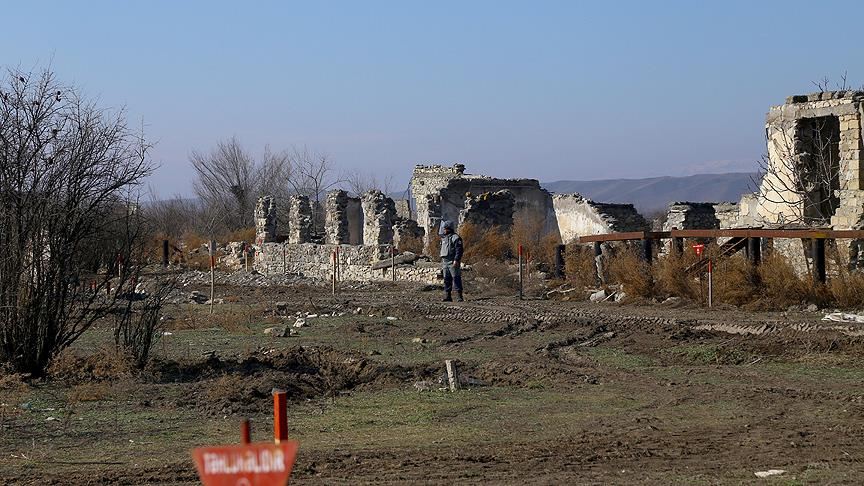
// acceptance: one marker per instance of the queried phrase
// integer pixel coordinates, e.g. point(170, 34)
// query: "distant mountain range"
point(656, 193)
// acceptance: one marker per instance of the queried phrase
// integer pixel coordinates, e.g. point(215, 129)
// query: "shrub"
point(581, 271)
point(627, 268)
point(670, 274)
point(484, 243)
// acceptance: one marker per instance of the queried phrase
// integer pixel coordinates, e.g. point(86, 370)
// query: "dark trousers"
point(452, 276)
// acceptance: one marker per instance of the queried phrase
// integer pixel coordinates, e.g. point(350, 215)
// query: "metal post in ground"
point(164, 253)
point(647, 250)
point(333, 270)
point(818, 247)
point(244, 432)
point(710, 283)
point(754, 250)
point(280, 415)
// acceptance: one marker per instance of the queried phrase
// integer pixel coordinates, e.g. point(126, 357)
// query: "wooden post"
point(333, 270)
point(164, 253)
point(452, 376)
point(212, 273)
point(818, 247)
point(280, 415)
point(521, 273)
point(559, 261)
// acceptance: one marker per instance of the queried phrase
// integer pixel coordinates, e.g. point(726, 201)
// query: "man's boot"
point(459, 296)
point(447, 297)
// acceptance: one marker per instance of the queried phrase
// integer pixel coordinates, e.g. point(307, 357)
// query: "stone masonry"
point(299, 220)
point(489, 209)
point(379, 214)
point(578, 216)
point(265, 220)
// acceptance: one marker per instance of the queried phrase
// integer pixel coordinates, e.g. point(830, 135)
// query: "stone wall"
point(299, 220)
point(403, 209)
point(314, 261)
point(578, 216)
point(336, 218)
point(265, 220)
point(439, 193)
point(408, 235)
point(490, 209)
point(379, 214)
point(790, 149)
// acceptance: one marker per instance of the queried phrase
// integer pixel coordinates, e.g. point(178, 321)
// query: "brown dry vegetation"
point(627, 268)
point(580, 269)
point(412, 243)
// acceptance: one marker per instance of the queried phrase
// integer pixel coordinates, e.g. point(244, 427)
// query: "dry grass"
point(245, 234)
point(580, 269)
point(847, 290)
point(106, 364)
point(89, 392)
point(627, 268)
point(780, 286)
point(226, 387)
point(413, 244)
point(539, 246)
point(483, 244)
point(671, 278)
point(433, 246)
point(735, 281)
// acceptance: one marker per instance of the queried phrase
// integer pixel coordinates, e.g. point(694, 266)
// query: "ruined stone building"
point(449, 193)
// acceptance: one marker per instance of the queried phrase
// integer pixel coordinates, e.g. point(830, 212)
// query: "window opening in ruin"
point(817, 145)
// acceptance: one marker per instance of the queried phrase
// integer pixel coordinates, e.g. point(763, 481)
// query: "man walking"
point(451, 258)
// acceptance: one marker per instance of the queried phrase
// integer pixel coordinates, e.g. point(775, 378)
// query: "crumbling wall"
point(265, 220)
point(439, 193)
point(789, 130)
point(300, 223)
point(403, 209)
point(379, 213)
point(314, 261)
point(408, 235)
point(691, 215)
point(490, 209)
point(336, 218)
point(578, 216)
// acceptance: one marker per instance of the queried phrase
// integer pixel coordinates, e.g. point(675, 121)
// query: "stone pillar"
point(336, 231)
point(300, 220)
point(379, 213)
point(265, 220)
point(403, 209)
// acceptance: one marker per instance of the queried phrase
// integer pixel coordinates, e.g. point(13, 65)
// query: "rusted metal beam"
point(627, 236)
point(727, 233)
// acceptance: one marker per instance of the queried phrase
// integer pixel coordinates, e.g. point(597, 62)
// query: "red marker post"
point(248, 464)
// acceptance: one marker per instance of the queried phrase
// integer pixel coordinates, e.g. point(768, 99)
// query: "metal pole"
point(333, 270)
point(818, 247)
point(521, 274)
point(164, 253)
point(710, 283)
point(754, 250)
point(646, 250)
point(280, 416)
point(393, 261)
point(245, 257)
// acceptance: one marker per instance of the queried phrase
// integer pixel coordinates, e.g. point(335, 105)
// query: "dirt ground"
point(554, 393)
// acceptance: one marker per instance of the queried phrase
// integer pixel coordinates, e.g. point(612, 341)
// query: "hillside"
point(655, 193)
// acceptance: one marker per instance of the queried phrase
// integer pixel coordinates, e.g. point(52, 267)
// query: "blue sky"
point(550, 90)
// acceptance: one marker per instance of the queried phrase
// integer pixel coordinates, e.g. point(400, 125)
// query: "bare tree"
point(359, 182)
point(800, 174)
point(227, 182)
point(314, 175)
point(65, 168)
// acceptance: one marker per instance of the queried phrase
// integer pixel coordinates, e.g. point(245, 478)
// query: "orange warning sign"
point(246, 464)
